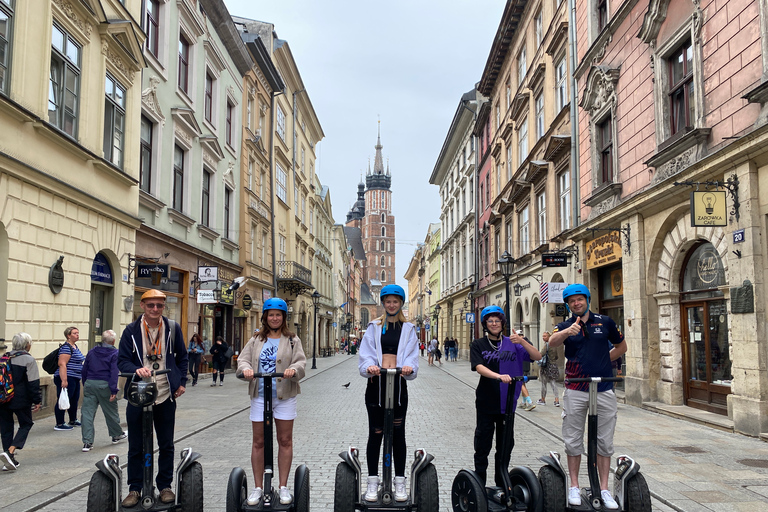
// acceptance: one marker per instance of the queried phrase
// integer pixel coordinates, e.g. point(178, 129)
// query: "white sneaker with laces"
point(372, 494)
point(574, 496)
point(400, 493)
point(285, 496)
point(255, 496)
point(608, 500)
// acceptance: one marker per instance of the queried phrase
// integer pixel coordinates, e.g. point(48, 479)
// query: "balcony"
point(292, 277)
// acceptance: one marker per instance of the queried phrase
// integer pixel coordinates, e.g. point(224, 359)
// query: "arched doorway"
point(704, 317)
point(102, 296)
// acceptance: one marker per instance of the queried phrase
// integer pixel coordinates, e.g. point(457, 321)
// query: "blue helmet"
point(493, 310)
point(576, 289)
point(392, 289)
point(275, 303)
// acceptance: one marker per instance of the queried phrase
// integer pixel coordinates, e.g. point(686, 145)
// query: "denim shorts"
point(575, 409)
point(281, 409)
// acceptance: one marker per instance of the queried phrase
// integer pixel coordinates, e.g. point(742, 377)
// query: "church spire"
point(378, 164)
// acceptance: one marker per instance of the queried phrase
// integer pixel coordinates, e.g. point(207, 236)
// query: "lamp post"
point(315, 301)
point(506, 262)
point(437, 322)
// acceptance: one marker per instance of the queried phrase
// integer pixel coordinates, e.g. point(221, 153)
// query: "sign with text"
point(554, 259)
point(208, 273)
point(146, 271)
point(604, 250)
point(247, 302)
point(708, 208)
point(551, 292)
point(206, 297)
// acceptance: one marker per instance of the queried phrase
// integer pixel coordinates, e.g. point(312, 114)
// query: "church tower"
point(378, 222)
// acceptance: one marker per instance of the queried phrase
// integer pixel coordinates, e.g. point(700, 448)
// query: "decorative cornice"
point(70, 12)
point(600, 88)
point(150, 101)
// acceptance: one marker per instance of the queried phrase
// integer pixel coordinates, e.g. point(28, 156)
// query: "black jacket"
point(219, 351)
point(26, 381)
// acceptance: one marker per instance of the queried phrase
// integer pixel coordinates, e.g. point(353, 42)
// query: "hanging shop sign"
point(708, 208)
point(208, 273)
point(604, 250)
point(551, 292)
point(226, 296)
point(554, 259)
point(206, 297)
point(147, 271)
point(247, 302)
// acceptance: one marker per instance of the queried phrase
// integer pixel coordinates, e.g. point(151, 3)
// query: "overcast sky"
point(406, 62)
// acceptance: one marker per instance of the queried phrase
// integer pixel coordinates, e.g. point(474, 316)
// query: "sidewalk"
point(688, 467)
point(52, 464)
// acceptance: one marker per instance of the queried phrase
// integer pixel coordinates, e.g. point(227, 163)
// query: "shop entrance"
point(100, 312)
point(706, 353)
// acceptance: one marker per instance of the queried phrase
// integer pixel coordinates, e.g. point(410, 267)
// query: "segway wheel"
point(526, 487)
point(301, 484)
point(552, 490)
point(191, 488)
point(344, 490)
point(101, 494)
point(427, 493)
point(638, 494)
point(237, 490)
point(467, 493)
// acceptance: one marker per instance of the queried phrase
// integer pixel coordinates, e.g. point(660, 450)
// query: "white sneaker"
point(255, 496)
point(400, 493)
point(608, 500)
point(285, 496)
point(574, 496)
point(372, 494)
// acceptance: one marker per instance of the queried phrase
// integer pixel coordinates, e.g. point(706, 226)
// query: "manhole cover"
point(687, 449)
point(754, 463)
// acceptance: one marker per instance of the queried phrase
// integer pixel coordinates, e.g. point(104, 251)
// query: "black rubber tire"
point(427, 497)
point(467, 493)
point(552, 490)
point(191, 488)
point(237, 490)
point(526, 488)
point(301, 486)
point(101, 494)
point(638, 494)
point(344, 488)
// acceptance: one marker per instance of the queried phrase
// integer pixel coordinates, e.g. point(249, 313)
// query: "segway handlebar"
point(130, 375)
point(261, 376)
point(523, 378)
point(577, 380)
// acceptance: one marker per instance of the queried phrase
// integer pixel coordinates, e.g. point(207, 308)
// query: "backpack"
point(51, 361)
point(6, 378)
point(544, 360)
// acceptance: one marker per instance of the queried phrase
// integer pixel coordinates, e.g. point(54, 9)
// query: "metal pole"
point(506, 305)
point(314, 343)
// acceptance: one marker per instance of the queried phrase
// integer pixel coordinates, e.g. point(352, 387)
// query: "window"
point(263, 248)
point(540, 116)
point(249, 112)
point(382, 261)
point(303, 159)
point(205, 211)
point(280, 122)
point(510, 247)
point(498, 179)
point(230, 119)
point(521, 66)
point(281, 247)
point(472, 193)
point(253, 242)
point(509, 95)
point(178, 178)
point(208, 111)
point(564, 188)
point(487, 190)
point(152, 26)
point(63, 101)
point(681, 91)
point(383, 276)
point(509, 163)
point(250, 174)
point(227, 205)
point(482, 206)
point(522, 142)
point(303, 209)
point(560, 84)
point(262, 180)
point(145, 157)
point(281, 178)
point(311, 221)
point(538, 28)
point(114, 121)
point(602, 14)
point(183, 70)
point(523, 230)
point(541, 223)
point(383, 218)
point(498, 116)
point(6, 20)
point(605, 146)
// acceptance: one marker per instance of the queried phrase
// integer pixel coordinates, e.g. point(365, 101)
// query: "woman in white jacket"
point(388, 342)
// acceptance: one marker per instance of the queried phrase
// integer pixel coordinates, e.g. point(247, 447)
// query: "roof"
point(365, 295)
point(504, 36)
point(355, 241)
point(222, 22)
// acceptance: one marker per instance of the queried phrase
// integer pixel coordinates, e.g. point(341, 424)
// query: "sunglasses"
point(152, 305)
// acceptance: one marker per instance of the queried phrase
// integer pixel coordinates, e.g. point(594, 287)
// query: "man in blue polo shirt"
point(591, 342)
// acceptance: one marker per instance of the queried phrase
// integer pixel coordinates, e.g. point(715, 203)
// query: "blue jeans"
point(164, 420)
point(73, 390)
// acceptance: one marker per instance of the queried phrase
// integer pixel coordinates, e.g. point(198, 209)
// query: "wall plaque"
point(743, 298)
point(56, 276)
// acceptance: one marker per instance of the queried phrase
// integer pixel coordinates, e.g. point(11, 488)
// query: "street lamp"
point(506, 263)
point(315, 301)
point(437, 322)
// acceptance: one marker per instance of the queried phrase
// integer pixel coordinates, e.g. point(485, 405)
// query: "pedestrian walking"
point(431, 351)
point(389, 342)
point(588, 339)
point(527, 404)
point(100, 389)
point(274, 349)
point(195, 351)
point(497, 359)
point(219, 353)
point(27, 399)
point(454, 349)
point(421, 348)
point(438, 354)
point(549, 372)
point(67, 377)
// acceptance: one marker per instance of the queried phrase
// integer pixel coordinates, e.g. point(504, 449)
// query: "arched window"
point(383, 218)
point(381, 247)
point(383, 231)
point(383, 276)
point(382, 261)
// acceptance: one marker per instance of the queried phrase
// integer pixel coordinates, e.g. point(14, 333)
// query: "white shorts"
point(281, 409)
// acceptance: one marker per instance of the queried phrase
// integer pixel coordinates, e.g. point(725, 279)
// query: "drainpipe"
point(574, 116)
point(272, 182)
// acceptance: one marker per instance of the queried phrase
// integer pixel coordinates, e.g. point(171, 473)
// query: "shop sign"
point(551, 292)
point(560, 310)
point(708, 208)
point(470, 318)
point(100, 270)
point(708, 267)
point(226, 297)
point(554, 259)
point(266, 295)
point(604, 250)
point(147, 271)
point(208, 273)
point(206, 297)
point(247, 302)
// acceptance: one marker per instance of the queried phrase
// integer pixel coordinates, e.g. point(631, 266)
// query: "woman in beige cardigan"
point(273, 349)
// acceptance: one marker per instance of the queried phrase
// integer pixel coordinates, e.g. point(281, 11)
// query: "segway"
point(237, 487)
point(105, 488)
point(629, 487)
point(521, 490)
point(424, 495)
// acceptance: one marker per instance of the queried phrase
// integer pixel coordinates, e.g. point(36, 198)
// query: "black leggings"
point(487, 425)
point(376, 435)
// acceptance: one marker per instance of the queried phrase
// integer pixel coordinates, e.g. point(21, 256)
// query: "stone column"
point(669, 376)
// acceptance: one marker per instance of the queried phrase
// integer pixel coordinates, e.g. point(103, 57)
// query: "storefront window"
point(703, 274)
